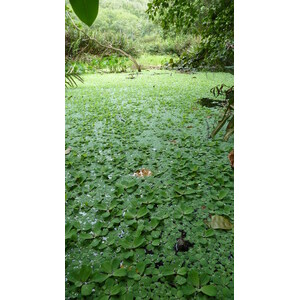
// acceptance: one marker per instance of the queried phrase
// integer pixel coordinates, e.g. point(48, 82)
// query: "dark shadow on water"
point(207, 102)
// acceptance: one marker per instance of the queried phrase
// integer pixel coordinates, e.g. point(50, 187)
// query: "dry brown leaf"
point(219, 222)
point(231, 158)
point(68, 150)
point(142, 173)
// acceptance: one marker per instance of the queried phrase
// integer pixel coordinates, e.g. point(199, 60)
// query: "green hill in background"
point(125, 24)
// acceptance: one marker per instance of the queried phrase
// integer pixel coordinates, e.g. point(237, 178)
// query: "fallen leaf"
point(173, 141)
point(142, 173)
point(219, 222)
point(68, 150)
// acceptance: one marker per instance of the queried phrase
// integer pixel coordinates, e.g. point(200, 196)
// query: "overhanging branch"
point(106, 46)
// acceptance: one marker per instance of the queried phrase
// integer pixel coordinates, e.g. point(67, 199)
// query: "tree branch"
point(106, 46)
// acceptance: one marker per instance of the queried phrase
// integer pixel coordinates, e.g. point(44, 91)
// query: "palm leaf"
point(71, 75)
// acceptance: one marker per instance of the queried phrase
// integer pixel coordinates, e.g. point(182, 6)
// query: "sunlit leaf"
point(220, 222)
point(68, 150)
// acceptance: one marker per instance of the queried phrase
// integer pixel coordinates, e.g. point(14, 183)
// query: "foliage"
point(125, 25)
point(228, 116)
point(71, 74)
point(92, 64)
point(148, 61)
point(213, 20)
point(86, 10)
point(121, 229)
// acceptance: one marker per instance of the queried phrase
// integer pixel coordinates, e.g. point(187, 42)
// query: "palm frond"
point(71, 75)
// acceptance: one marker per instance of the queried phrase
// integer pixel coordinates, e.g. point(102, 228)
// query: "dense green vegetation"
point(125, 25)
point(199, 31)
point(122, 231)
point(213, 20)
point(149, 192)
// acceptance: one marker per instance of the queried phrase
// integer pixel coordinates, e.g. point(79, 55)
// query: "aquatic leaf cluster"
point(121, 229)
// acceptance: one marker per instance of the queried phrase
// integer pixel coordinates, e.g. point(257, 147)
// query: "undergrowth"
point(91, 64)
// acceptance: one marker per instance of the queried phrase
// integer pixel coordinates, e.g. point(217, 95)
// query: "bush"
point(87, 63)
